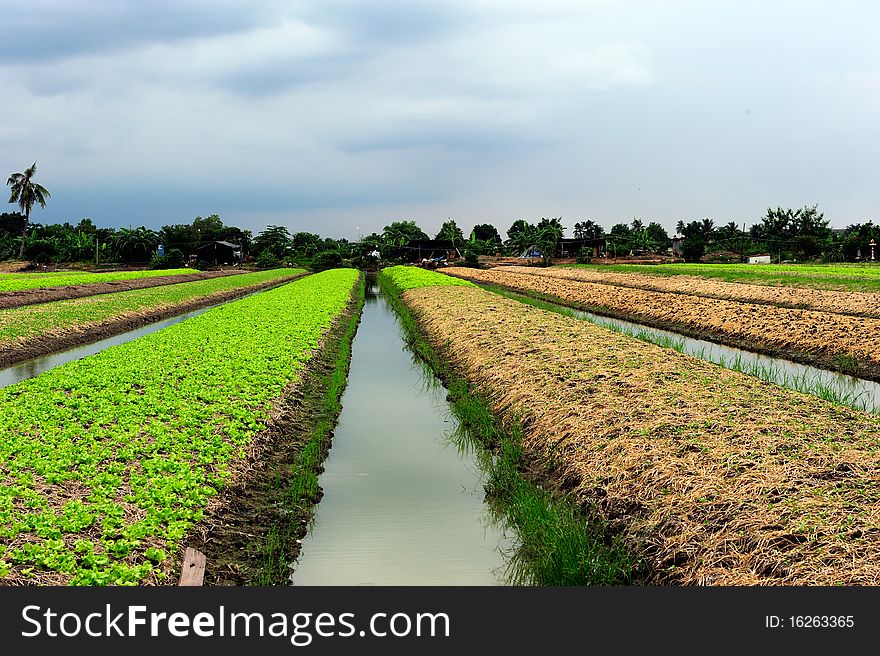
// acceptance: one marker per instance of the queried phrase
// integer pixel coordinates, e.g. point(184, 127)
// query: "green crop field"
point(107, 462)
point(17, 282)
point(29, 321)
point(410, 277)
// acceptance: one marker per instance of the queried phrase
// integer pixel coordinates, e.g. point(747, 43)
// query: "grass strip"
point(108, 462)
point(562, 543)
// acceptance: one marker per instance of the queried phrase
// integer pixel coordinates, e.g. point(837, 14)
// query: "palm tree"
point(26, 192)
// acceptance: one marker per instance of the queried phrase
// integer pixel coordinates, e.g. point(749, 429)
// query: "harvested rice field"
point(838, 277)
point(711, 476)
point(824, 339)
point(862, 304)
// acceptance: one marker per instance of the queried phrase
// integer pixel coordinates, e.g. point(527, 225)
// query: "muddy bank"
point(255, 529)
point(49, 294)
point(829, 341)
point(85, 334)
point(717, 478)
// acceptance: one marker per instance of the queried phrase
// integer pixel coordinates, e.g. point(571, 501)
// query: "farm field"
point(670, 450)
point(853, 303)
point(827, 340)
point(57, 292)
point(33, 330)
point(18, 282)
point(841, 277)
point(109, 462)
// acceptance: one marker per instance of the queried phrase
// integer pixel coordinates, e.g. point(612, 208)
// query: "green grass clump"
point(18, 282)
point(411, 277)
point(107, 462)
point(32, 320)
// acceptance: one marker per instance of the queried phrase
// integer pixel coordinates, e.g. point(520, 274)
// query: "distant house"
point(573, 247)
point(677, 241)
point(219, 253)
point(763, 258)
point(418, 250)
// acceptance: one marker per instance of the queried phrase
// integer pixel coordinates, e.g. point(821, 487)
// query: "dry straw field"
point(715, 477)
point(825, 339)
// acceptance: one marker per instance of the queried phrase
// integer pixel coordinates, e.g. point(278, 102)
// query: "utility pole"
point(96, 250)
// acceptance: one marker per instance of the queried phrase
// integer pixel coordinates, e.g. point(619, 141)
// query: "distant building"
point(677, 241)
point(418, 250)
point(763, 258)
point(220, 253)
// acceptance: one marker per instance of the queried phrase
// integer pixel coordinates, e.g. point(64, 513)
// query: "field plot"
point(107, 463)
point(34, 330)
point(841, 277)
point(823, 339)
point(55, 291)
point(18, 282)
point(852, 303)
point(713, 477)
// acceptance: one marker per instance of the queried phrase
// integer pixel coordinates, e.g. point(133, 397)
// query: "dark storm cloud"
point(47, 30)
point(385, 23)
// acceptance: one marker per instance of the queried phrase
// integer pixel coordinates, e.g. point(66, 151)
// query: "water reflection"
point(403, 504)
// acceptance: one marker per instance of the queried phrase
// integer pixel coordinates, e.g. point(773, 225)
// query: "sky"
point(340, 116)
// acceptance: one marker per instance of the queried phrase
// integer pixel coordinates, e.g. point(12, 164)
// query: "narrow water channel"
point(402, 504)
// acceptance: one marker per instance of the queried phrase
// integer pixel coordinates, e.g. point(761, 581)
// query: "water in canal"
point(403, 503)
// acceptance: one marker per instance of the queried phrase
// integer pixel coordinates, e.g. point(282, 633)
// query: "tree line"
point(799, 234)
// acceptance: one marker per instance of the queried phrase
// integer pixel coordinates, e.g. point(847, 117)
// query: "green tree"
point(657, 237)
point(548, 232)
point(397, 235)
point(486, 232)
point(134, 244)
point(275, 240)
point(306, 244)
point(400, 233)
point(620, 239)
point(450, 231)
point(26, 192)
point(588, 230)
point(520, 235)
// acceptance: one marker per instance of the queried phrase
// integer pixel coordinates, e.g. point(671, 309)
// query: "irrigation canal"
point(403, 500)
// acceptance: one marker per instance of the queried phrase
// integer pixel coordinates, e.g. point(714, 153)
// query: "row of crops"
point(21, 324)
point(18, 282)
point(108, 462)
point(709, 476)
